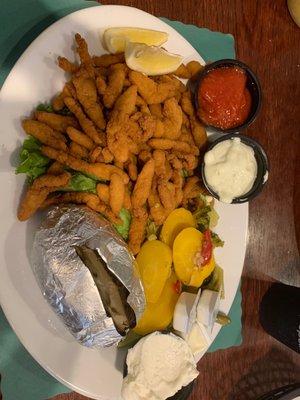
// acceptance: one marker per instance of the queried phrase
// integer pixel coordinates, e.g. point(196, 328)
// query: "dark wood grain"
point(267, 40)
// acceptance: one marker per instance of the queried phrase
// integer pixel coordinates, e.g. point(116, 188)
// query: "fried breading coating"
point(148, 125)
point(38, 192)
point(137, 230)
point(127, 199)
point(67, 65)
point(174, 161)
point(32, 201)
point(103, 192)
point(114, 86)
point(78, 151)
point(94, 154)
point(168, 144)
point(68, 91)
point(178, 180)
point(116, 193)
point(117, 135)
point(182, 72)
point(87, 95)
point(51, 181)
point(132, 168)
point(143, 184)
point(55, 168)
point(99, 170)
point(152, 92)
point(157, 211)
point(81, 138)
point(144, 155)
point(156, 110)
point(44, 134)
point(105, 60)
point(194, 68)
point(172, 119)
point(179, 87)
point(198, 130)
point(107, 156)
point(159, 157)
point(91, 200)
point(86, 124)
point(83, 52)
point(166, 192)
point(191, 189)
point(55, 121)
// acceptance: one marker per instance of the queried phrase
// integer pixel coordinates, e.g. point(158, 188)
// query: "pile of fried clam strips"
point(126, 146)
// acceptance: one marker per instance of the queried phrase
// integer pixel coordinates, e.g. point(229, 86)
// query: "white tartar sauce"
point(230, 169)
point(158, 366)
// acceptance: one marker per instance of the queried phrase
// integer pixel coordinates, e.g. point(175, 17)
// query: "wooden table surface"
point(268, 40)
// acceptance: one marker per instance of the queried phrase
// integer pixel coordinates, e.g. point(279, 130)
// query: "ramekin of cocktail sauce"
point(227, 96)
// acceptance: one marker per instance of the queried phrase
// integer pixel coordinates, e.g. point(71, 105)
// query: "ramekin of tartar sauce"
point(235, 169)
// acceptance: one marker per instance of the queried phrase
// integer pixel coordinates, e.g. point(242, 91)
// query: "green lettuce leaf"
point(216, 241)
point(81, 183)
point(123, 229)
point(45, 107)
point(48, 108)
point(32, 161)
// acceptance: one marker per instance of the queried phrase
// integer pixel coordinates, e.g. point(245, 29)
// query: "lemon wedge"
point(151, 60)
point(115, 39)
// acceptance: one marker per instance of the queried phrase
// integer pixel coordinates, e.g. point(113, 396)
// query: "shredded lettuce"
point(216, 283)
point(48, 108)
point(32, 161)
point(81, 183)
point(123, 229)
point(151, 230)
point(45, 107)
point(216, 241)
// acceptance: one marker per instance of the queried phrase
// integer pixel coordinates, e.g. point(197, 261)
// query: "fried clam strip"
point(55, 168)
point(157, 211)
point(56, 121)
point(111, 91)
point(178, 181)
point(159, 157)
point(137, 230)
point(168, 144)
point(68, 91)
point(108, 59)
point(189, 71)
point(198, 131)
point(38, 192)
point(116, 193)
point(103, 192)
point(143, 185)
point(87, 96)
point(86, 124)
point(80, 138)
point(117, 135)
point(166, 191)
point(191, 189)
point(85, 58)
point(78, 151)
point(100, 171)
point(152, 92)
point(44, 134)
point(67, 65)
point(171, 121)
point(90, 199)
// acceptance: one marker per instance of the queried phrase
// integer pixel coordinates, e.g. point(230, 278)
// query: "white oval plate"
point(34, 79)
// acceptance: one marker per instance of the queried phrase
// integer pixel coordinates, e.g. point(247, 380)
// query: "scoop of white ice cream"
point(158, 366)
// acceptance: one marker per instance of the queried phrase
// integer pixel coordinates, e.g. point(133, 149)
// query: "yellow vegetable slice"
point(186, 255)
point(158, 316)
point(154, 261)
point(115, 39)
point(178, 220)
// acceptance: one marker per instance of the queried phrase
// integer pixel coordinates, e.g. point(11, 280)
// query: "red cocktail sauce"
point(224, 101)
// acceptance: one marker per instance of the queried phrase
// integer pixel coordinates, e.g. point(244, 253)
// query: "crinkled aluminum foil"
point(67, 283)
